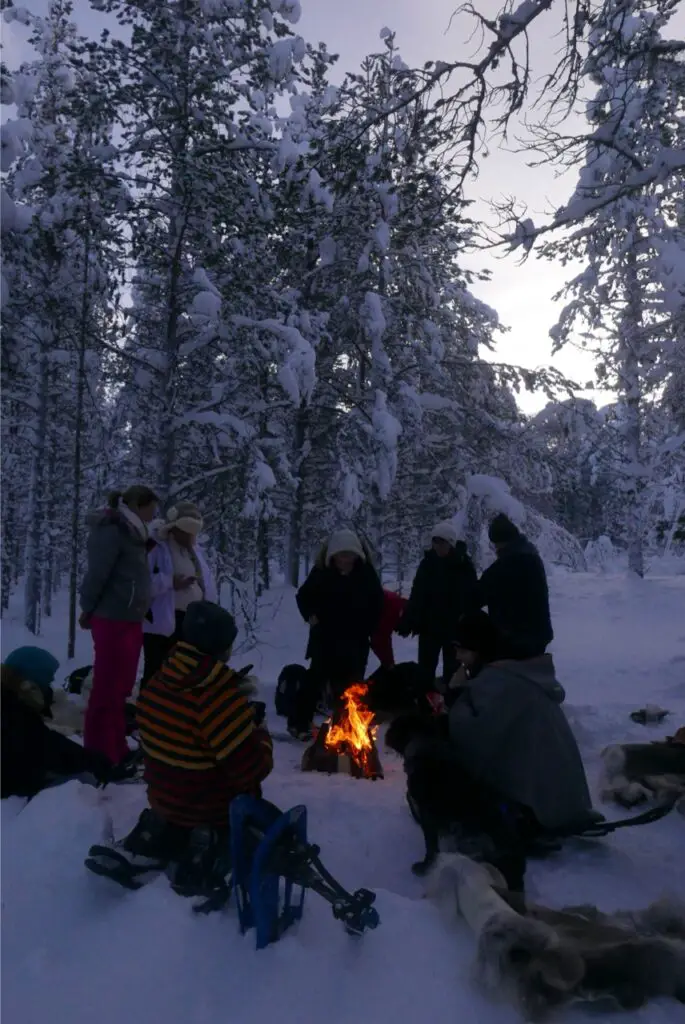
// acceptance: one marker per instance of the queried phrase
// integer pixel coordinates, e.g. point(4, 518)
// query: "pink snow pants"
point(117, 652)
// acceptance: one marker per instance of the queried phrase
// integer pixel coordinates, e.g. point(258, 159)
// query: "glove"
point(404, 628)
point(259, 711)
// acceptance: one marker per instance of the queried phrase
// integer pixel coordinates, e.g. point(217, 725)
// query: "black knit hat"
point(477, 632)
point(502, 530)
point(209, 628)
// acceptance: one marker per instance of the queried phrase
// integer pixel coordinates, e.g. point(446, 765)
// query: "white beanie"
point(344, 540)
point(185, 517)
point(445, 531)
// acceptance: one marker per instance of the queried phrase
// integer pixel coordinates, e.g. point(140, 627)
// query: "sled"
point(274, 865)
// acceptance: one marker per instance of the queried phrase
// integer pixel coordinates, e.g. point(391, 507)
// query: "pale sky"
point(521, 294)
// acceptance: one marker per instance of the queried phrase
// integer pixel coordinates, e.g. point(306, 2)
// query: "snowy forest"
point(244, 278)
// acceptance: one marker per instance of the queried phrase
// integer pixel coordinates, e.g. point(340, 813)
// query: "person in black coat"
point(34, 756)
point(342, 601)
point(515, 590)
point(442, 591)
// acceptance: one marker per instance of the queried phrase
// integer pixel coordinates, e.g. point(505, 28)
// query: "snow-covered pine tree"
point(632, 290)
point(207, 334)
point(62, 270)
point(414, 406)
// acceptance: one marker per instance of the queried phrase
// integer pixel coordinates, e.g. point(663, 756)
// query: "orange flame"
point(354, 733)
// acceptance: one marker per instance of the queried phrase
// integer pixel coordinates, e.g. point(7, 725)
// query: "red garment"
point(117, 652)
point(381, 641)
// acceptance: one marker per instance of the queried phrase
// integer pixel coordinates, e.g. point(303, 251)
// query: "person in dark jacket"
point(514, 589)
point(342, 601)
point(116, 594)
point(442, 591)
point(34, 756)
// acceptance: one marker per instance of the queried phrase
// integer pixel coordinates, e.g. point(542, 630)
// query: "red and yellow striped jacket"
point(199, 739)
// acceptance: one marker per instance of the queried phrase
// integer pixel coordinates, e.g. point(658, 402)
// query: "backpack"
point(75, 681)
point(287, 688)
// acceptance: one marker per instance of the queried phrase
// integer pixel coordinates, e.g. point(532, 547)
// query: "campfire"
point(346, 743)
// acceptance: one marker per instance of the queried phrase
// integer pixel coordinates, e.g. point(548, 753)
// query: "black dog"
point(396, 690)
point(441, 795)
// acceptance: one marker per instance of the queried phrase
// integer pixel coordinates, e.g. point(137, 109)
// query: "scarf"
point(134, 522)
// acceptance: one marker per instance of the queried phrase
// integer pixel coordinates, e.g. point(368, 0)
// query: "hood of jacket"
point(100, 516)
point(187, 668)
point(539, 671)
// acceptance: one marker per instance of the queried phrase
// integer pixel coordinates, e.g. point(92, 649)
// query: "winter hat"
point(34, 665)
point(344, 540)
point(502, 530)
point(477, 632)
point(209, 628)
point(183, 516)
point(445, 531)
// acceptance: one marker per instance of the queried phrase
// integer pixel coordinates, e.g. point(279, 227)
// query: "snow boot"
point(146, 851)
point(301, 735)
point(204, 869)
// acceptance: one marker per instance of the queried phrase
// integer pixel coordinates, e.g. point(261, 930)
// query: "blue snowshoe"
point(274, 865)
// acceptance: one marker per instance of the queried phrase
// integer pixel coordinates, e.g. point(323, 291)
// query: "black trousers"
point(431, 646)
point(156, 648)
point(338, 675)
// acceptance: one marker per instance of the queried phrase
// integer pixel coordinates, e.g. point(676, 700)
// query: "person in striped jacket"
point(198, 733)
point(202, 745)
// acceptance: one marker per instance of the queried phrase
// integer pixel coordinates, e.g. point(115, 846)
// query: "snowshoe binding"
point(145, 852)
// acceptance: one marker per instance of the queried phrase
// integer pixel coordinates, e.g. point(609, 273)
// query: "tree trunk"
point(35, 510)
point(630, 329)
point(263, 556)
point(297, 510)
point(47, 556)
point(78, 454)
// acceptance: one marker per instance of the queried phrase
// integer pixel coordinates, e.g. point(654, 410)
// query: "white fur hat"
point(184, 516)
point(445, 531)
point(344, 540)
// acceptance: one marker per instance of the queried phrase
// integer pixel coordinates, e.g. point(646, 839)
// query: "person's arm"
point(486, 712)
point(411, 617)
point(376, 599)
point(308, 595)
point(483, 588)
point(104, 546)
point(161, 581)
point(62, 756)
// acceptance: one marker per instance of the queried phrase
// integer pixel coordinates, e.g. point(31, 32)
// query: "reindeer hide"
point(542, 958)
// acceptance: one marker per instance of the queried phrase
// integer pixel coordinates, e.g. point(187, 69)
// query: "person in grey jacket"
point(509, 731)
point(115, 598)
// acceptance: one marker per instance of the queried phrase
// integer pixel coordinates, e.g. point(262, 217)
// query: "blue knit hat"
point(34, 664)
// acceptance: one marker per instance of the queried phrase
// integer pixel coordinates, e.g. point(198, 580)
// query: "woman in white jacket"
point(180, 575)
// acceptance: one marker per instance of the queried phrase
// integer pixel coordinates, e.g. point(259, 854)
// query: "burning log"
point(347, 743)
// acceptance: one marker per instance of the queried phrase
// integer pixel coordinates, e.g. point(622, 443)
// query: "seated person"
point(510, 733)
point(201, 745)
point(34, 755)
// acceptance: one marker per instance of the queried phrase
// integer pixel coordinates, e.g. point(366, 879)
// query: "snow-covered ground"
point(78, 950)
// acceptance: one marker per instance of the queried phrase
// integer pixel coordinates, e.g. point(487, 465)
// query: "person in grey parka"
point(115, 598)
point(509, 731)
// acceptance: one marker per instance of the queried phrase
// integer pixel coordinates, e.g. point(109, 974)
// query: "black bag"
point(290, 680)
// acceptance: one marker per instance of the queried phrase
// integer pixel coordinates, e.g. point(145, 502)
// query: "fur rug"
point(633, 773)
point(542, 959)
